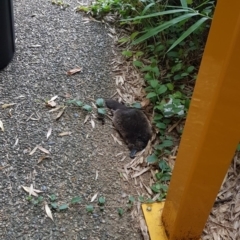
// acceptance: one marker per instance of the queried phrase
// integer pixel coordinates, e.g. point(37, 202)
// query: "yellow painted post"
point(212, 130)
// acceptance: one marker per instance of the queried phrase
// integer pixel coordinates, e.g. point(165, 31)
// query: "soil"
point(51, 40)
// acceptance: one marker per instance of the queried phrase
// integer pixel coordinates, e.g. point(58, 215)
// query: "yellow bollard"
point(212, 129)
point(211, 133)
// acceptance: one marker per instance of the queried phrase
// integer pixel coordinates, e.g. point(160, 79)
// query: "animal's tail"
point(114, 105)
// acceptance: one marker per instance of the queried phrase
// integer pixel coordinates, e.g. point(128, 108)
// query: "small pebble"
point(44, 188)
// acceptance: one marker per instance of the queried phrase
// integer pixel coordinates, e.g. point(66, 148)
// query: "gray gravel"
point(49, 42)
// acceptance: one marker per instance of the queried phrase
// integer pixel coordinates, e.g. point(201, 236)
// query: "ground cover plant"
point(165, 41)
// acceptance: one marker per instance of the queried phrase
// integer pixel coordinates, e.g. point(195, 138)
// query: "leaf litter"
point(1, 126)
point(223, 222)
point(74, 71)
point(48, 211)
point(31, 190)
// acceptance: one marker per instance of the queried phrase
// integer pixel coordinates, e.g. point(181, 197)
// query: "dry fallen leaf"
point(48, 211)
point(144, 229)
point(33, 151)
point(60, 114)
point(92, 123)
point(34, 191)
point(51, 104)
point(43, 149)
point(31, 190)
point(73, 71)
point(116, 140)
point(96, 177)
point(94, 197)
point(64, 134)
point(119, 80)
point(1, 126)
point(141, 172)
point(86, 118)
point(53, 98)
point(49, 132)
point(55, 109)
point(6, 105)
point(42, 158)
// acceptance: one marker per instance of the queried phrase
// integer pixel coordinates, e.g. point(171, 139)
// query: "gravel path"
point(49, 42)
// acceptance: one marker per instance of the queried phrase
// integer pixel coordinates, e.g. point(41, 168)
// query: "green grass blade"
point(188, 32)
point(184, 3)
point(158, 14)
point(156, 30)
point(146, 8)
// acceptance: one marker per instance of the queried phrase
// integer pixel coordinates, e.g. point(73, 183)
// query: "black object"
point(132, 124)
point(7, 36)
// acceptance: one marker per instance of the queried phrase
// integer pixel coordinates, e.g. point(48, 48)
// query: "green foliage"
point(136, 105)
point(75, 200)
point(165, 43)
point(162, 178)
point(89, 208)
point(100, 102)
point(88, 108)
point(63, 207)
point(52, 197)
point(35, 200)
point(54, 205)
point(101, 111)
point(120, 211)
point(101, 201)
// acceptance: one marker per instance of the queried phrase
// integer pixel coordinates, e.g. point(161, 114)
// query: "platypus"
point(132, 124)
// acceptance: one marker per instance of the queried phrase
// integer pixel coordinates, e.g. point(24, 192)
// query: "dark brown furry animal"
point(132, 124)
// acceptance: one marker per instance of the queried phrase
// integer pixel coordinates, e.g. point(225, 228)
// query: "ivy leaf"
point(54, 205)
point(137, 63)
point(102, 111)
point(170, 86)
point(53, 197)
point(141, 199)
point(120, 212)
point(131, 199)
point(101, 201)
point(154, 83)
point(164, 166)
point(78, 103)
point(89, 208)
point(100, 102)
point(137, 105)
point(75, 200)
point(151, 95)
point(152, 159)
point(161, 125)
point(167, 143)
point(63, 207)
point(162, 89)
point(87, 108)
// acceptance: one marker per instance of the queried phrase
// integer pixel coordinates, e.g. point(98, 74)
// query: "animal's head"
point(136, 147)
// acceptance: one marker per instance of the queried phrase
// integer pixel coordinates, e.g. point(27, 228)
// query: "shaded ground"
point(49, 42)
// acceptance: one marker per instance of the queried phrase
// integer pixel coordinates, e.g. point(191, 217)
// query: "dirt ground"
point(49, 42)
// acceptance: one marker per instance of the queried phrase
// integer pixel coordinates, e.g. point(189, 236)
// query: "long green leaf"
point(184, 3)
point(147, 7)
point(158, 14)
point(156, 30)
point(188, 32)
